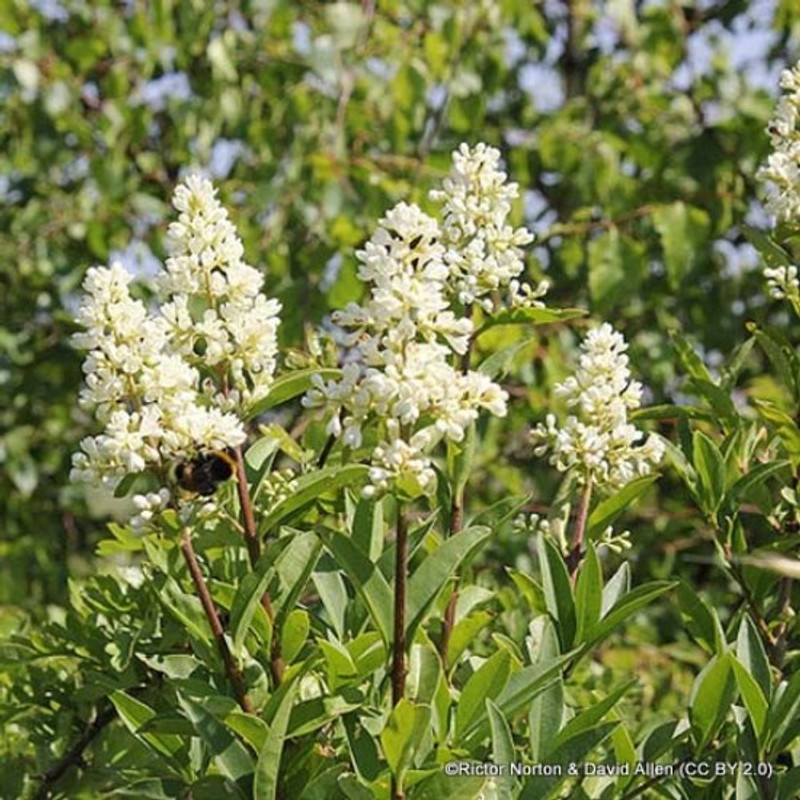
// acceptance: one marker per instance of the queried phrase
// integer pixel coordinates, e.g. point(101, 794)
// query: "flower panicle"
point(176, 380)
point(597, 441)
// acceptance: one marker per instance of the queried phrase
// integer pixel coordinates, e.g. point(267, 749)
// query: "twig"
point(399, 642)
point(74, 756)
point(400, 575)
point(576, 552)
point(232, 670)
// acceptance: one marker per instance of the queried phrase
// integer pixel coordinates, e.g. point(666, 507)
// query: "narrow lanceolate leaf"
point(246, 602)
point(230, 757)
point(544, 719)
point(588, 719)
point(710, 468)
point(367, 580)
point(750, 651)
point(431, 576)
point(574, 751)
point(310, 488)
point(289, 386)
point(609, 509)
point(627, 605)
point(701, 620)
point(522, 687)
point(265, 784)
point(557, 591)
point(754, 700)
point(487, 682)
point(588, 593)
point(531, 316)
point(710, 700)
point(502, 746)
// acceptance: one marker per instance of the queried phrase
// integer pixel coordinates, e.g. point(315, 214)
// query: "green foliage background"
point(642, 185)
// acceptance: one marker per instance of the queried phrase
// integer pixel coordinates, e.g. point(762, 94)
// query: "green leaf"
point(710, 468)
point(294, 632)
point(754, 700)
point(267, 771)
point(230, 757)
point(502, 746)
point(781, 355)
point(557, 591)
point(783, 720)
point(293, 566)
point(710, 700)
point(609, 509)
point(289, 386)
point(247, 601)
point(588, 593)
point(135, 715)
point(329, 583)
point(499, 364)
point(684, 231)
point(751, 653)
point(544, 719)
point(309, 488)
point(576, 751)
point(403, 734)
point(701, 620)
point(367, 528)
point(431, 576)
point(486, 682)
point(522, 687)
point(617, 587)
point(626, 606)
point(464, 632)
point(367, 580)
point(530, 316)
point(588, 718)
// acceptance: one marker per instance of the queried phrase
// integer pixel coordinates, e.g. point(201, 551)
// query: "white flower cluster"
point(598, 441)
point(782, 170)
point(217, 316)
point(483, 252)
point(404, 340)
point(170, 383)
point(784, 284)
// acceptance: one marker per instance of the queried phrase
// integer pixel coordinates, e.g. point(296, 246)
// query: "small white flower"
point(781, 173)
point(597, 440)
point(784, 284)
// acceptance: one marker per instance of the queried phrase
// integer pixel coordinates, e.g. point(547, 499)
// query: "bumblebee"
point(202, 475)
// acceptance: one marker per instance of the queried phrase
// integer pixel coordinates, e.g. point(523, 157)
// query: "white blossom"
point(781, 173)
point(483, 252)
point(596, 440)
point(405, 341)
point(784, 284)
point(174, 382)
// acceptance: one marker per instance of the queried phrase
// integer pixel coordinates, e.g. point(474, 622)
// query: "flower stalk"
point(575, 555)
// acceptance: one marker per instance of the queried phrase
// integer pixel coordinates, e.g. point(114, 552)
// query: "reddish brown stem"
point(399, 644)
point(254, 553)
point(232, 671)
point(400, 575)
point(576, 552)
